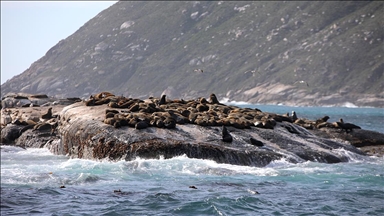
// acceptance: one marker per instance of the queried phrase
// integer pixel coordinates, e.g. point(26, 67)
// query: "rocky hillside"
point(294, 53)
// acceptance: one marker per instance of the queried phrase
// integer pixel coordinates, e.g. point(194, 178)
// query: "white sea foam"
point(36, 151)
point(352, 157)
point(191, 166)
point(236, 103)
point(349, 105)
point(6, 148)
point(281, 163)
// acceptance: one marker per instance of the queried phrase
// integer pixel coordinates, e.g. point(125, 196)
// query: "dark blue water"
point(31, 180)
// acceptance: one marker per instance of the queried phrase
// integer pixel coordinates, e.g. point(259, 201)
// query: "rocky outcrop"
point(87, 136)
point(84, 130)
point(33, 100)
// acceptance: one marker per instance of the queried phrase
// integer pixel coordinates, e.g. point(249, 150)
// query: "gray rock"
point(84, 135)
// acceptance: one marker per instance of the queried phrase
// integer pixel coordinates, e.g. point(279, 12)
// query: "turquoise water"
point(31, 180)
point(366, 118)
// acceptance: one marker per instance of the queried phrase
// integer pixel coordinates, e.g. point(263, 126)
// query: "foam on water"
point(352, 157)
point(161, 186)
point(191, 166)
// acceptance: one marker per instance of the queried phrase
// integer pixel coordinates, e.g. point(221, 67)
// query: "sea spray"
point(163, 186)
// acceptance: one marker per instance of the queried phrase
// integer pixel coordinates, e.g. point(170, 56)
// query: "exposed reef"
point(113, 127)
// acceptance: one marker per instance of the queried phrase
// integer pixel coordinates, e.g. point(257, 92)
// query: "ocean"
point(36, 182)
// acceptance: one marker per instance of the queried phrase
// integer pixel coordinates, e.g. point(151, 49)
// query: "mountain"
point(277, 52)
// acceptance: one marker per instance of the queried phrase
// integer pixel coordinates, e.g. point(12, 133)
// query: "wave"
point(56, 171)
point(191, 166)
point(347, 104)
point(236, 103)
point(10, 149)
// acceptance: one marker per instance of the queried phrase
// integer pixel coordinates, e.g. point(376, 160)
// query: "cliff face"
point(295, 53)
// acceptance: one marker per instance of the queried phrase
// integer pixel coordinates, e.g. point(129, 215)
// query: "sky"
point(30, 28)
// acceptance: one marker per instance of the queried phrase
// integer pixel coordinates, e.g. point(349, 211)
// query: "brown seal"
point(202, 107)
point(103, 95)
point(42, 127)
point(47, 115)
point(322, 120)
point(213, 99)
point(110, 121)
point(90, 102)
point(202, 100)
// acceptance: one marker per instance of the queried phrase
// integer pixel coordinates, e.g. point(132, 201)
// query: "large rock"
point(88, 130)
point(85, 135)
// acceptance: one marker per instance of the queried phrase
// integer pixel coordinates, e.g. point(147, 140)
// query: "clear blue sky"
point(30, 28)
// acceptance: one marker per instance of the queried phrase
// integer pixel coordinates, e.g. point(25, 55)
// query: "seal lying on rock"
point(168, 113)
point(256, 142)
point(347, 126)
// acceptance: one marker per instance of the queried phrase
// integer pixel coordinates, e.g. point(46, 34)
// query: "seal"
point(141, 125)
point(109, 115)
point(110, 121)
point(226, 136)
point(202, 100)
point(47, 115)
point(90, 102)
point(213, 99)
point(346, 126)
point(162, 100)
point(169, 123)
point(202, 107)
point(42, 127)
point(102, 95)
point(322, 120)
point(117, 124)
point(256, 142)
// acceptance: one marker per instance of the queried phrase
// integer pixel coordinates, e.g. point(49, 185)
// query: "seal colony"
point(166, 113)
point(106, 126)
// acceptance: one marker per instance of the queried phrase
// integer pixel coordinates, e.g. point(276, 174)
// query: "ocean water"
point(31, 182)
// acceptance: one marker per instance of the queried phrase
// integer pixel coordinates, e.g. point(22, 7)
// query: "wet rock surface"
point(115, 128)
